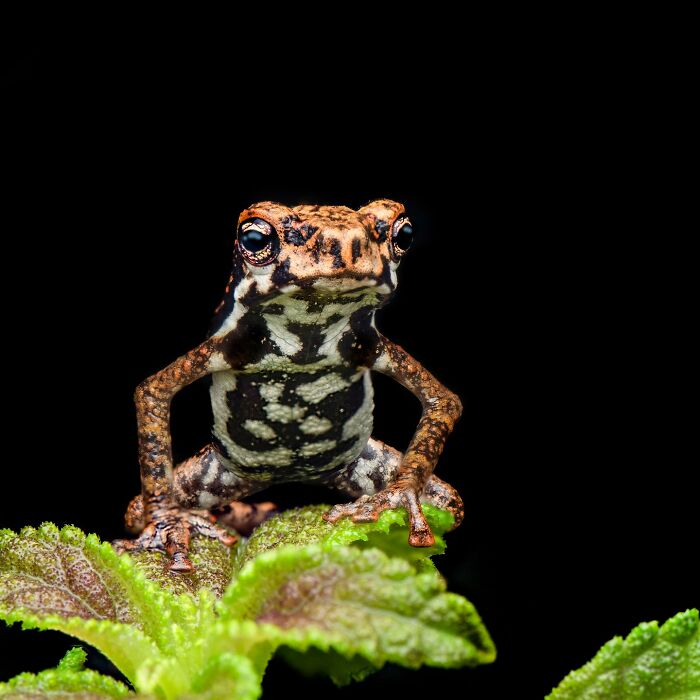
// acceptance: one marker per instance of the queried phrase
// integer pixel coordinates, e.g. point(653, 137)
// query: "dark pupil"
point(404, 237)
point(253, 240)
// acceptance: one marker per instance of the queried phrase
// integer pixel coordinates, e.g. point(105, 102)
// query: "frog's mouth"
point(319, 294)
point(338, 289)
point(349, 285)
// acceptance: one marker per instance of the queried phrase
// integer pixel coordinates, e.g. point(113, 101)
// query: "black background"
point(539, 290)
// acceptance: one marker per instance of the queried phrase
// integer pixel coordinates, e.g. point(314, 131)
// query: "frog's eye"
point(258, 241)
point(402, 236)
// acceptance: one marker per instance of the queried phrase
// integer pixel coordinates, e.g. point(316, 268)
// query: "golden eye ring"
point(258, 241)
point(401, 236)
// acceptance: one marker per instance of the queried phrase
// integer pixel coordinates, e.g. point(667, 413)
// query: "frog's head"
point(323, 251)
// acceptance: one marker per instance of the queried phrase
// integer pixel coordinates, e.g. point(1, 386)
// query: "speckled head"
point(326, 250)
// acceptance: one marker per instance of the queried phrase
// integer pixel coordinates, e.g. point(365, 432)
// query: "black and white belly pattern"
point(298, 402)
point(294, 423)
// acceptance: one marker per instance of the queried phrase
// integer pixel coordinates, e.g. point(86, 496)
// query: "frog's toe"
point(177, 533)
point(148, 541)
point(348, 510)
point(204, 525)
point(420, 534)
point(134, 518)
point(334, 514)
point(180, 563)
point(245, 517)
point(365, 509)
point(365, 514)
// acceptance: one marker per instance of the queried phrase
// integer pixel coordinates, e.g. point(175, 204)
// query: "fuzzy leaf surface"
point(358, 603)
point(346, 598)
point(652, 663)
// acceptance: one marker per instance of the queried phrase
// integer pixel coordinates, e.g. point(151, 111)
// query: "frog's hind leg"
point(374, 470)
point(206, 482)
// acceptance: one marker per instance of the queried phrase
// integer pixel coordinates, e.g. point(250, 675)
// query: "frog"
point(290, 357)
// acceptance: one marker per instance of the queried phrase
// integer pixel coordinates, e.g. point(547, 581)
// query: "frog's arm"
point(441, 410)
point(153, 397)
point(168, 526)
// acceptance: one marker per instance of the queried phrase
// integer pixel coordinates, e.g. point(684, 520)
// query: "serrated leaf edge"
point(234, 607)
point(618, 652)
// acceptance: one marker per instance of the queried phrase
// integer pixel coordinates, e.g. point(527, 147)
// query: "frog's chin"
point(264, 290)
point(328, 290)
point(344, 296)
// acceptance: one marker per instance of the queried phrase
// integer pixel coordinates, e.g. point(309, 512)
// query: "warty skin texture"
point(290, 355)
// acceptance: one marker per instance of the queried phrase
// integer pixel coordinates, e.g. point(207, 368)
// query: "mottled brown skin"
point(324, 256)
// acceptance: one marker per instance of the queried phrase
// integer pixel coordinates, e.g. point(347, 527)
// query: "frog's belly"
point(283, 426)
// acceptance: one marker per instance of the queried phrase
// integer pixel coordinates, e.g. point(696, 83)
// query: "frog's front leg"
point(441, 410)
point(167, 524)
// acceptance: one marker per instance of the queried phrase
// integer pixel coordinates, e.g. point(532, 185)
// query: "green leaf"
point(357, 603)
point(652, 663)
point(228, 675)
point(303, 526)
point(66, 682)
point(64, 573)
point(65, 581)
point(52, 572)
point(354, 607)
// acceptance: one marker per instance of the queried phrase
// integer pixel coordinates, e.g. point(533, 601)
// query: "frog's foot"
point(244, 517)
point(440, 494)
point(366, 509)
point(169, 529)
